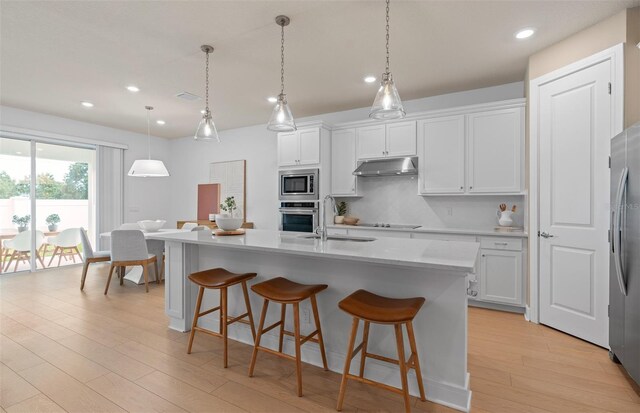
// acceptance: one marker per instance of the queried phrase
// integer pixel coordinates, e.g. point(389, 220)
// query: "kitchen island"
point(432, 269)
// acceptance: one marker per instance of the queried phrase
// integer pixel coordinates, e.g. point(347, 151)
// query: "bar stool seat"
point(372, 308)
point(220, 279)
point(379, 309)
point(282, 290)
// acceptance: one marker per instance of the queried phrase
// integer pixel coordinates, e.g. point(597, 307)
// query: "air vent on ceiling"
point(188, 96)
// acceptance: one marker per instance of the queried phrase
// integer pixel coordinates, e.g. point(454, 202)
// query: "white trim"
point(48, 137)
point(457, 110)
point(615, 55)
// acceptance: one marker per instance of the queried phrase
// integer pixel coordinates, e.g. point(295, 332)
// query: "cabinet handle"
point(501, 243)
point(462, 187)
point(483, 255)
point(470, 187)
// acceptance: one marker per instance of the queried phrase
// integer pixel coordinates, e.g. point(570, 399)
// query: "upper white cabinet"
point(443, 155)
point(301, 147)
point(495, 150)
point(472, 153)
point(371, 141)
point(386, 140)
point(343, 163)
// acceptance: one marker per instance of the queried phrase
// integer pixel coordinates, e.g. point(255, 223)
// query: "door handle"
point(546, 235)
point(617, 232)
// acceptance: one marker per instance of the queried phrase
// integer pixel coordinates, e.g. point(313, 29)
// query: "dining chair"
point(129, 248)
point(65, 245)
point(90, 256)
point(201, 228)
point(129, 225)
point(189, 225)
point(21, 246)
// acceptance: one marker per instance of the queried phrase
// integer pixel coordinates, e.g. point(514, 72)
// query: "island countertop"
point(455, 256)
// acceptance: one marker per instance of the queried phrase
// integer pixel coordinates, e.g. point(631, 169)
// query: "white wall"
point(190, 160)
point(145, 198)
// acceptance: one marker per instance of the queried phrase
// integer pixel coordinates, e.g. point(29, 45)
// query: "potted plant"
point(52, 221)
point(341, 208)
point(226, 221)
point(21, 222)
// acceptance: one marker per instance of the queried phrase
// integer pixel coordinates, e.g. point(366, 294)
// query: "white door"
point(309, 141)
point(401, 139)
point(575, 134)
point(501, 276)
point(442, 155)
point(371, 142)
point(288, 149)
point(343, 162)
point(495, 140)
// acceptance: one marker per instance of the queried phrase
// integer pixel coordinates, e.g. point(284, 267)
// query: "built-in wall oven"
point(299, 216)
point(299, 185)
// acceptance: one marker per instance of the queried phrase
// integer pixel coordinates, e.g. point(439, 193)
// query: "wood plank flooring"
point(66, 350)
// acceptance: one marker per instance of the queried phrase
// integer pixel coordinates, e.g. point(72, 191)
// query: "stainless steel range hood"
point(388, 167)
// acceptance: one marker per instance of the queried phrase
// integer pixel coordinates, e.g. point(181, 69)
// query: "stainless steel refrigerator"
point(624, 239)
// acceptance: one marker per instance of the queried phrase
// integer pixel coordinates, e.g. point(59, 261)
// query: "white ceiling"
point(55, 54)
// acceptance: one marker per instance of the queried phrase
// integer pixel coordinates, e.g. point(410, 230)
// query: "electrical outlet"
point(450, 211)
point(306, 315)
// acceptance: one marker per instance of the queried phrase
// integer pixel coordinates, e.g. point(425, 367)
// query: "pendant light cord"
point(282, 59)
point(206, 90)
point(387, 71)
point(148, 133)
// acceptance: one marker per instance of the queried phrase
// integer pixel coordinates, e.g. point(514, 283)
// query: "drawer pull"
point(501, 243)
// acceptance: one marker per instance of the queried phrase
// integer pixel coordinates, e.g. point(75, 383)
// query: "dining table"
point(155, 247)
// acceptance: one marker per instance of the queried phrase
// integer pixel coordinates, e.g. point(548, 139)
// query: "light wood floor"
point(61, 349)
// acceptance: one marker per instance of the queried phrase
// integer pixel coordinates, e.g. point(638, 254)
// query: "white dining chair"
point(90, 256)
point(21, 246)
point(189, 225)
point(65, 244)
point(129, 248)
point(129, 225)
point(201, 228)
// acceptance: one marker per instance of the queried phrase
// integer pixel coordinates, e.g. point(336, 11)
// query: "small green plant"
point(53, 219)
point(341, 208)
point(21, 222)
point(229, 205)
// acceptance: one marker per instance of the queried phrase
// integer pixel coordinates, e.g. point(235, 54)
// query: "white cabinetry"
point(501, 276)
point(478, 152)
point(494, 142)
point(442, 163)
point(301, 147)
point(343, 163)
point(386, 140)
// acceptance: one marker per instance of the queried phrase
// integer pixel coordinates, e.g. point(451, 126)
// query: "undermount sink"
point(339, 238)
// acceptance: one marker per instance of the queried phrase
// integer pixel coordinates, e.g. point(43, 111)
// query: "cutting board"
point(225, 233)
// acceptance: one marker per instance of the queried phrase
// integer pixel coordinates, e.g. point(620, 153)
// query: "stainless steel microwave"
point(299, 185)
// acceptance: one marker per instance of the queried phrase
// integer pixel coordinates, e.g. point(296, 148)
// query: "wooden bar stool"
point(284, 291)
point(220, 279)
point(371, 308)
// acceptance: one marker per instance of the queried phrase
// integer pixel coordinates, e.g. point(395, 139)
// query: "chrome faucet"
point(322, 230)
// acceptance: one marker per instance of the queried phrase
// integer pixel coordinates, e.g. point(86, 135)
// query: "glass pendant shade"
point(148, 168)
point(387, 104)
point(281, 119)
point(207, 129)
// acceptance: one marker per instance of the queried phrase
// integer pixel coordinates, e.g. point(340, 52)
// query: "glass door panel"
point(65, 201)
point(15, 205)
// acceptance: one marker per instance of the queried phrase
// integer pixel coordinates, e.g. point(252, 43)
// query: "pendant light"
point(281, 119)
point(387, 104)
point(148, 168)
point(206, 129)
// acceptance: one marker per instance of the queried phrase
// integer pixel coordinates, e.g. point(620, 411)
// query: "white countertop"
point(461, 231)
point(455, 256)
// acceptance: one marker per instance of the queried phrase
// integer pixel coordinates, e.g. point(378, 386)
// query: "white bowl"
point(151, 226)
point(229, 224)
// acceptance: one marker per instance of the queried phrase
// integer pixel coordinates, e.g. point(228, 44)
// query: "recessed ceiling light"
point(370, 79)
point(271, 99)
point(160, 122)
point(87, 104)
point(525, 33)
point(132, 88)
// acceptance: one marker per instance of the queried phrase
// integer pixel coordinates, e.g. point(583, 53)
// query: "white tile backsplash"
point(395, 200)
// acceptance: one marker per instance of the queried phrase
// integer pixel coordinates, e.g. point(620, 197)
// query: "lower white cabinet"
point(500, 276)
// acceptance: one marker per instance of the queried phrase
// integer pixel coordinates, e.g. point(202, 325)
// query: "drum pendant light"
point(148, 168)
point(281, 119)
point(206, 128)
point(387, 104)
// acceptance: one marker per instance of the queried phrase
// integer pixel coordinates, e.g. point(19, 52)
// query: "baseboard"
point(447, 394)
point(496, 306)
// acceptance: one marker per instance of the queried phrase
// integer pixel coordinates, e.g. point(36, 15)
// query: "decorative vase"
point(505, 218)
point(338, 219)
point(53, 227)
point(22, 229)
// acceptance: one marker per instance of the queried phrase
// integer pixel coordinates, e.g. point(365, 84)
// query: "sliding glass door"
point(49, 188)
